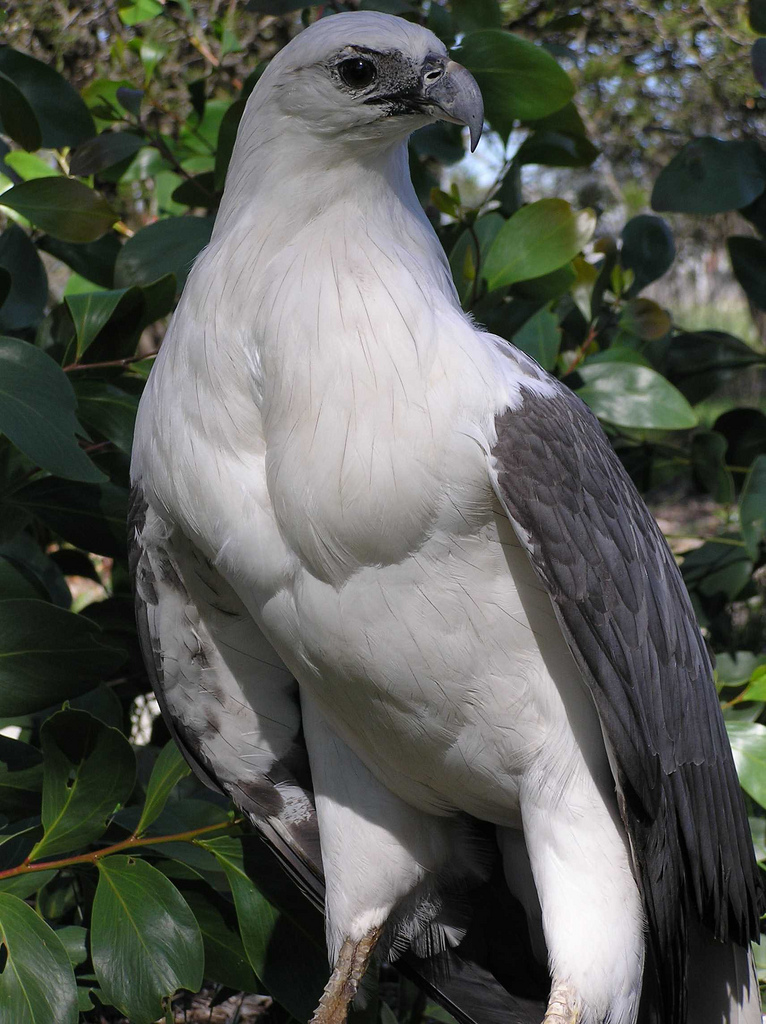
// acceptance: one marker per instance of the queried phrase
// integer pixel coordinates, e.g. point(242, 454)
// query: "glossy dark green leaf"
point(440, 141)
point(648, 249)
point(26, 885)
point(145, 941)
point(227, 135)
point(63, 117)
point(537, 239)
point(5, 284)
point(168, 771)
point(748, 745)
point(717, 569)
point(472, 15)
point(752, 507)
point(547, 287)
point(105, 150)
point(272, 941)
point(466, 263)
point(198, 191)
point(17, 118)
point(64, 207)
point(540, 337)
point(92, 260)
point(518, 80)
point(37, 411)
point(628, 395)
point(748, 261)
point(745, 433)
point(709, 465)
point(108, 409)
point(47, 655)
point(28, 294)
point(225, 960)
point(90, 516)
point(92, 311)
point(137, 12)
point(698, 362)
point(89, 770)
point(711, 176)
point(166, 247)
point(74, 939)
point(37, 984)
point(26, 555)
point(14, 582)
point(556, 149)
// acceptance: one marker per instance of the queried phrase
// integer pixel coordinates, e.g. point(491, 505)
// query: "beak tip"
point(475, 131)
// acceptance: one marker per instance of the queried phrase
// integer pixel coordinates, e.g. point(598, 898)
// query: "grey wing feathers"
point(229, 701)
point(622, 605)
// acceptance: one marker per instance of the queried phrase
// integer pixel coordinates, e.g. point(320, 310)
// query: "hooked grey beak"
point(458, 97)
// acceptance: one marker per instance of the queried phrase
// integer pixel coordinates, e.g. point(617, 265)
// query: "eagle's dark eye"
point(357, 73)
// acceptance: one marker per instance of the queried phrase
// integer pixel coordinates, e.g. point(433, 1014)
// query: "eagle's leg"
point(352, 962)
point(563, 1005)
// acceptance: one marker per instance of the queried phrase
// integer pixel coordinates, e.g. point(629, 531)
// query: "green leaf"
point(109, 410)
point(540, 337)
point(166, 247)
point(64, 207)
point(90, 516)
point(74, 939)
point(92, 260)
point(709, 465)
point(556, 149)
point(711, 176)
point(518, 80)
point(645, 319)
point(757, 16)
point(273, 941)
point(168, 771)
point(752, 507)
point(136, 12)
point(105, 150)
point(628, 395)
point(25, 302)
point(748, 745)
point(699, 362)
point(227, 135)
point(748, 261)
point(472, 15)
point(758, 61)
point(48, 654)
point(29, 166)
point(17, 116)
point(27, 885)
point(28, 557)
point(538, 239)
point(463, 258)
point(37, 985)
point(92, 311)
point(197, 191)
point(145, 941)
point(648, 249)
point(717, 569)
point(63, 118)
point(89, 771)
point(225, 960)
point(37, 406)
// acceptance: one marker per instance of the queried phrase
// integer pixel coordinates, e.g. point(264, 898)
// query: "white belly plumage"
point(431, 670)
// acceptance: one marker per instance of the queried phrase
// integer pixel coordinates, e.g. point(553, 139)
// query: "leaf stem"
point(132, 843)
point(109, 362)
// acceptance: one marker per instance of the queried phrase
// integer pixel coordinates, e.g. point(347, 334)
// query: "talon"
point(563, 1006)
point(350, 967)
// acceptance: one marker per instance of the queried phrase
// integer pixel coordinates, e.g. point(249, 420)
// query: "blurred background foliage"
point(611, 224)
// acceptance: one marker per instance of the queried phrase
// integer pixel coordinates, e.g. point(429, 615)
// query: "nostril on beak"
point(433, 76)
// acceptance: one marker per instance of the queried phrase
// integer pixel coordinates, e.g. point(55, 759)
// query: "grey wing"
point(233, 709)
point(230, 703)
point(623, 608)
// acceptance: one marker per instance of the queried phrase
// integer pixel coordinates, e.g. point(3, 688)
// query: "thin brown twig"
point(108, 363)
point(132, 843)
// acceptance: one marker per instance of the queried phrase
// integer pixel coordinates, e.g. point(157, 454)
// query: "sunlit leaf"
point(536, 240)
point(634, 396)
